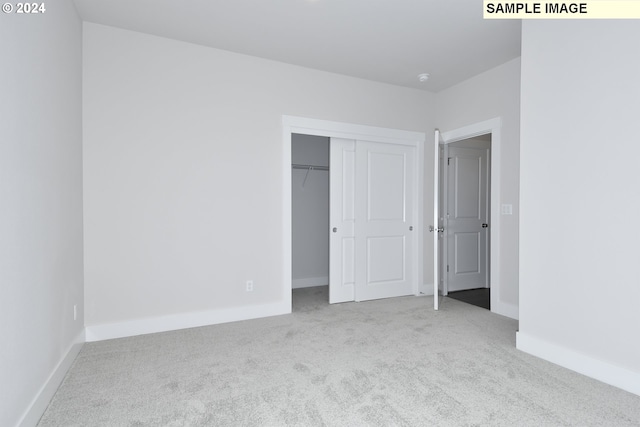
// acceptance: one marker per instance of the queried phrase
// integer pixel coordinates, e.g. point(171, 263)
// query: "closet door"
point(384, 220)
point(342, 220)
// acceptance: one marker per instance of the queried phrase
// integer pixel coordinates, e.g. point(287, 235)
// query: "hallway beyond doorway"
point(479, 297)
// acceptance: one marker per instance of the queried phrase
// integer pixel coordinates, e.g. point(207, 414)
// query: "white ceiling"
point(388, 41)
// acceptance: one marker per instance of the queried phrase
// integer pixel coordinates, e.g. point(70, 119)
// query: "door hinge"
point(448, 161)
point(447, 268)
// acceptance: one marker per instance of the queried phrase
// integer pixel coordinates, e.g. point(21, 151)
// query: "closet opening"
point(309, 220)
point(375, 237)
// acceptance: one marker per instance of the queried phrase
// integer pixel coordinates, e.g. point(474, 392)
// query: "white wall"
point(41, 275)
point(579, 281)
point(309, 212)
point(495, 93)
point(183, 174)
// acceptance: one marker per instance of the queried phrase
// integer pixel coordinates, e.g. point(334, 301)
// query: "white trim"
point(504, 309)
point(307, 126)
point(418, 243)
point(40, 402)
point(611, 374)
point(493, 126)
point(183, 321)
point(348, 131)
point(310, 282)
point(426, 289)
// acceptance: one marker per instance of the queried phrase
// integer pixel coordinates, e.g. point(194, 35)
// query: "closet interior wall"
point(310, 210)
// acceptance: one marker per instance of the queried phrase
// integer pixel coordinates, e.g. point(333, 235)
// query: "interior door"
point(384, 220)
point(467, 218)
point(437, 228)
point(342, 220)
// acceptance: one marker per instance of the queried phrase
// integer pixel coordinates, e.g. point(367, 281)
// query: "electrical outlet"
point(249, 285)
point(75, 312)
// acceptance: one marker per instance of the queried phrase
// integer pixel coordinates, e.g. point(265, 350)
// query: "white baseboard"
point(183, 321)
point(45, 394)
point(426, 289)
point(581, 363)
point(309, 282)
point(504, 309)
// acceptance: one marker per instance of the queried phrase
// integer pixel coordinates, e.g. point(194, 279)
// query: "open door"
point(436, 228)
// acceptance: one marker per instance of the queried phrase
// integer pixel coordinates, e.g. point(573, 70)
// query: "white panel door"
point(342, 220)
point(467, 219)
point(384, 220)
point(436, 228)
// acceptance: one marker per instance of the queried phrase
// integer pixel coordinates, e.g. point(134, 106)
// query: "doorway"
point(493, 127)
point(310, 211)
point(465, 211)
point(371, 158)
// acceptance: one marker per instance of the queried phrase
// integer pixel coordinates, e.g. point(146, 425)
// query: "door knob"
point(484, 225)
point(411, 228)
point(335, 229)
point(432, 229)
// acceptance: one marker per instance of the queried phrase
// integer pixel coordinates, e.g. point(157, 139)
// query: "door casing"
point(494, 127)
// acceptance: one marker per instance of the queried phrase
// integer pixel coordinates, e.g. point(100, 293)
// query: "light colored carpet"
point(391, 362)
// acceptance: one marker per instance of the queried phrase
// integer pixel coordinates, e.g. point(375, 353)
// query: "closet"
point(355, 209)
point(310, 210)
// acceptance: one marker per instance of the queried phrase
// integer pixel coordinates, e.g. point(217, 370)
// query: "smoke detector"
point(423, 77)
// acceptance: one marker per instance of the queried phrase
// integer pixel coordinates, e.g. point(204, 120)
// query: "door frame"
point(308, 126)
point(494, 127)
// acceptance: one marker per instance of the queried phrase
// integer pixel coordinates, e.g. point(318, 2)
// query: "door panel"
point(467, 183)
point(384, 188)
point(467, 210)
point(348, 267)
point(439, 287)
point(467, 260)
point(342, 219)
point(391, 250)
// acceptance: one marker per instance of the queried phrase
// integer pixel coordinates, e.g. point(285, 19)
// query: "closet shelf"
point(310, 167)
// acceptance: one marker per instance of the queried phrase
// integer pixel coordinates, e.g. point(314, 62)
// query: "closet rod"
point(312, 167)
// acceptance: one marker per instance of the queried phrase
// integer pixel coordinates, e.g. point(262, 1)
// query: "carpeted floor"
point(391, 362)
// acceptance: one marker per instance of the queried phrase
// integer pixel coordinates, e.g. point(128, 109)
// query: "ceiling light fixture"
point(423, 77)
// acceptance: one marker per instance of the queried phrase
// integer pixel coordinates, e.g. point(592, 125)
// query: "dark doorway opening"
point(479, 297)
